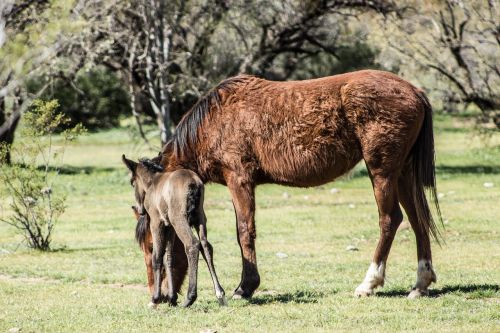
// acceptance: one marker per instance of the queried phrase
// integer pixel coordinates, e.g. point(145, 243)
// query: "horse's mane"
point(186, 132)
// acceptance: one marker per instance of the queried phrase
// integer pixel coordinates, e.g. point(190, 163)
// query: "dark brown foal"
point(174, 203)
point(145, 240)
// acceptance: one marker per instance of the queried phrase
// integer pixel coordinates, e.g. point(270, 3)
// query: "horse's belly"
point(304, 167)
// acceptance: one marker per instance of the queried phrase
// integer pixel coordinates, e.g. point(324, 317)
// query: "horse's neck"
point(184, 162)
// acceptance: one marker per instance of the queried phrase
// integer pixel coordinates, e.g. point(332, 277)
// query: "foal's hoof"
point(417, 293)
point(363, 292)
point(152, 305)
point(222, 301)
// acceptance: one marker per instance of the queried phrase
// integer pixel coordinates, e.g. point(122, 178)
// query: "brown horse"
point(145, 240)
point(174, 203)
point(249, 131)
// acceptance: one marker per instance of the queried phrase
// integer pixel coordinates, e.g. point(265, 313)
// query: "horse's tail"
point(423, 171)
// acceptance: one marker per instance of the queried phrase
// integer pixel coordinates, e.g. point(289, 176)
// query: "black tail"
point(194, 203)
point(422, 159)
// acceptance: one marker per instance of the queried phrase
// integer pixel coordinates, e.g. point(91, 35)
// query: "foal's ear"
point(131, 165)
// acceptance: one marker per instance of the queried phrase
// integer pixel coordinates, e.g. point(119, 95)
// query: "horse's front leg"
point(243, 195)
point(208, 254)
point(148, 260)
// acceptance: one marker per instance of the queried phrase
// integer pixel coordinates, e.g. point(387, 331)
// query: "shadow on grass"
point(444, 169)
point(74, 170)
point(469, 290)
point(86, 170)
point(473, 169)
point(298, 296)
point(83, 249)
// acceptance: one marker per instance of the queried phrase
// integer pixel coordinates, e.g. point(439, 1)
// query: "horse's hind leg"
point(425, 273)
point(192, 248)
point(390, 216)
point(159, 243)
point(168, 260)
point(208, 256)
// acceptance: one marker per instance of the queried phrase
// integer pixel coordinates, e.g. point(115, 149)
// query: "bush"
point(35, 204)
point(97, 100)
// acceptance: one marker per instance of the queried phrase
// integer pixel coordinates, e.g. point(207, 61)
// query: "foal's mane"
point(186, 132)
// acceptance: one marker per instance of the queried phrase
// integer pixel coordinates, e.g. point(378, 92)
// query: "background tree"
point(34, 34)
point(460, 42)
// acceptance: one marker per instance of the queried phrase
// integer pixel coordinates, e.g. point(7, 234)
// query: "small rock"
point(208, 330)
point(334, 190)
point(488, 185)
point(306, 197)
point(281, 255)
point(14, 330)
point(351, 248)
point(352, 206)
point(286, 195)
point(440, 195)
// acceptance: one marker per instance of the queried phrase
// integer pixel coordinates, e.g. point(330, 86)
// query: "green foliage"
point(96, 100)
point(34, 202)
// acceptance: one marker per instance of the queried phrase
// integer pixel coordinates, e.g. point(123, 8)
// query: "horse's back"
point(309, 132)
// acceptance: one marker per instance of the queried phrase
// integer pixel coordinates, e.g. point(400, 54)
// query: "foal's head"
point(141, 178)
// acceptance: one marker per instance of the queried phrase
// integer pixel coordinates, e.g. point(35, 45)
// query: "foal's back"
point(180, 194)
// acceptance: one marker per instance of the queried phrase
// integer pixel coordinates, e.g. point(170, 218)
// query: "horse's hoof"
point(363, 292)
point(241, 294)
point(417, 293)
point(237, 296)
point(187, 304)
point(222, 301)
point(152, 305)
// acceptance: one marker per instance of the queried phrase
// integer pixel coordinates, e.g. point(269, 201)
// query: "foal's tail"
point(194, 203)
point(423, 172)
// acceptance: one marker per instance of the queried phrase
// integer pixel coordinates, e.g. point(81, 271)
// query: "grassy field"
point(95, 279)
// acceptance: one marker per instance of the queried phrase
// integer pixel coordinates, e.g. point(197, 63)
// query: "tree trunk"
point(9, 124)
point(7, 131)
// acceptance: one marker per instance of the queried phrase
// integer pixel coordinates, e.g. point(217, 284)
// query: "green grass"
point(94, 281)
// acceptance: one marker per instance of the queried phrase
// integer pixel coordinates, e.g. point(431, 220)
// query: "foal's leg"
point(425, 273)
point(390, 216)
point(192, 247)
point(159, 243)
point(168, 259)
point(242, 193)
point(208, 256)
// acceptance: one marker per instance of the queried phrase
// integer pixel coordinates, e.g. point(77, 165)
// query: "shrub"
point(36, 204)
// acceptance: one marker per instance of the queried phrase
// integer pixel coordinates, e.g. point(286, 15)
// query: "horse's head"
point(141, 178)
